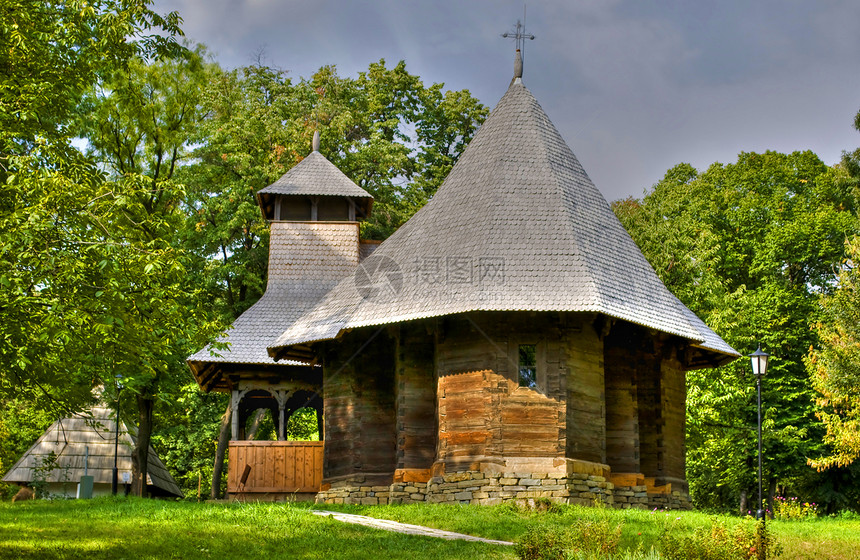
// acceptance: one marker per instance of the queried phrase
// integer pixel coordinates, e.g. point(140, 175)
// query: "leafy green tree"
point(749, 247)
point(835, 366)
point(137, 123)
point(186, 434)
point(241, 149)
point(50, 309)
point(21, 423)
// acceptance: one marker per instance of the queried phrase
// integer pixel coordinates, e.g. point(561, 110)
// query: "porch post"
point(234, 404)
point(281, 422)
point(281, 395)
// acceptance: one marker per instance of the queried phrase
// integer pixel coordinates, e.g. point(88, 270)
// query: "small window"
point(332, 209)
point(528, 366)
point(295, 209)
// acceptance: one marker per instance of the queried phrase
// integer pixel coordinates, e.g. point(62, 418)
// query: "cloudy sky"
point(634, 86)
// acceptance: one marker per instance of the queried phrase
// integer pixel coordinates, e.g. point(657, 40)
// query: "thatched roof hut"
point(84, 444)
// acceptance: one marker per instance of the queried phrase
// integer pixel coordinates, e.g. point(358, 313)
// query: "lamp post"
point(759, 367)
point(113, 480)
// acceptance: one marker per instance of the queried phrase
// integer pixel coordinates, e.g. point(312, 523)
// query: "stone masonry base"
point(473, 487)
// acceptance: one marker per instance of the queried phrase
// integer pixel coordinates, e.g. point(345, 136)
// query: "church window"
point(528, 365)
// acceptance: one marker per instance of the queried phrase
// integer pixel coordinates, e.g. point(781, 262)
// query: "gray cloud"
point(634, 86)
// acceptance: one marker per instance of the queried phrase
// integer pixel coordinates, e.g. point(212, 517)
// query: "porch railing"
point(261, 467)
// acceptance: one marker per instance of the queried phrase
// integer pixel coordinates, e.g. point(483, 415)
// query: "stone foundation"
point(473, 487)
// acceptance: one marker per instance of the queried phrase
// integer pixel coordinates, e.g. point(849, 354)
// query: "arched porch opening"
point(275, 463)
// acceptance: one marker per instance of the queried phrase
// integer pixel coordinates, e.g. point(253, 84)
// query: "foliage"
point(835, 366)
point(793, 508)
point(137, 122)
point(749, 247)
point(746, 540)
point(43, 469)
point(50, 311)
point(302, 425)
point(544, 543)
point(21, 424)
point(185, 434)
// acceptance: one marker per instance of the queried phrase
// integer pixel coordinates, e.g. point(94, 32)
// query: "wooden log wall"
point(622, 357)
point(673, 397)
point(484, 415)
point(585, 399)
point(416, 401)
point(443, 395)
point(645, 401)
point(650, 393)
point(359, 404)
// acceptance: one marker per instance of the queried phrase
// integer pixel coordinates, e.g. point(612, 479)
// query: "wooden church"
point(509, 342)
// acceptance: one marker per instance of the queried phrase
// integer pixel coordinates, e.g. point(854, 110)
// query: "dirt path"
point(405, 528)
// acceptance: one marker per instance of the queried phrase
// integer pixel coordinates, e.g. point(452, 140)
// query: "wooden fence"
point(275, 466)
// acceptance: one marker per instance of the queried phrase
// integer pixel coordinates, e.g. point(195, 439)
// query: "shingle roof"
point(306, 260)
point(71, 439)
point(516, 226)
point(315, 175)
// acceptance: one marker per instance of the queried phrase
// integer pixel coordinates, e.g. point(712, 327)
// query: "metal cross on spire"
point(519, 35)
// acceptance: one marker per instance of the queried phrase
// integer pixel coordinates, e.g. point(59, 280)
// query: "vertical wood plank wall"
point(359, 404)
point(276, 466)
point(585, 402)
point(622, 349)
point(416, 401)
point(673, 398)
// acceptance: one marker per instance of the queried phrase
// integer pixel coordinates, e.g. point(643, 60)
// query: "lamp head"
point(759, 362)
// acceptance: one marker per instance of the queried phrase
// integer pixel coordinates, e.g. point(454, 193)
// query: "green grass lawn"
point(136, 529)
point(814, 538)
point(133, 528)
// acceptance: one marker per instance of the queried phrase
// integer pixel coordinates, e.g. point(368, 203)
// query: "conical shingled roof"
point(516, 226)
point(316, 175)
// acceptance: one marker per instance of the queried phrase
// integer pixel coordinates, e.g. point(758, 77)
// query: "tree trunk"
point(221, 451)
point(140, 453)
point(255, 425)
point(743, 505)
point(771, 490)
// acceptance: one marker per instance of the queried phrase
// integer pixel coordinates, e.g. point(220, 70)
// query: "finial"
point(519, 35)
point(316, 142)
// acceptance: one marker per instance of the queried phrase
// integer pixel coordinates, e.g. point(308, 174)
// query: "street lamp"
point(113, 480)
point(759, 367)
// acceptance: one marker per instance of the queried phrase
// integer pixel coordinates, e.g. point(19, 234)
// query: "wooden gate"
point(269, 467)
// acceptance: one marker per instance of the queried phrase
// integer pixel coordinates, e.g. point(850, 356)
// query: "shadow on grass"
point(134, 529)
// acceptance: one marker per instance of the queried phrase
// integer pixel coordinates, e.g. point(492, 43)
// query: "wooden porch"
point(274, 468)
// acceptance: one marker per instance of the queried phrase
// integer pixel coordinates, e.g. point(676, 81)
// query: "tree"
point(50, 311)
point(749, 247)
point(835, 366)
point(137, 123)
